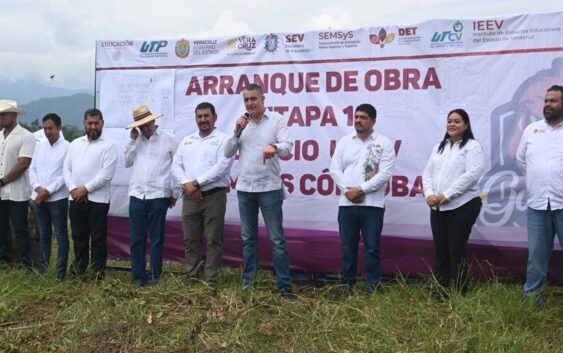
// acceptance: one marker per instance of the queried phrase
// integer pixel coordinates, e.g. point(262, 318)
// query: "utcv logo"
point(453, 36)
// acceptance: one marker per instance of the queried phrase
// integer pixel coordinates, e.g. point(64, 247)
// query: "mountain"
point(24, 92)
point(70, 108)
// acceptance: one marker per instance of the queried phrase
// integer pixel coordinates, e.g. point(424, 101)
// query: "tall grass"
point(39, 314)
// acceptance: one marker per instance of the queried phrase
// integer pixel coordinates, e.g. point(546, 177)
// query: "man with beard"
point(540, 156)
point(361, 166)
point(204, 173)
point(88, 169)
point(16, 151)
point(151, 191)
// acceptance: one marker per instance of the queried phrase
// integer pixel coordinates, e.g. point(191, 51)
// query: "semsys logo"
point(340, 35)
point(337, 40)
point(381, 38)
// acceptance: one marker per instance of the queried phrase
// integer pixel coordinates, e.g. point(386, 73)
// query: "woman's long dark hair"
point(467, 134)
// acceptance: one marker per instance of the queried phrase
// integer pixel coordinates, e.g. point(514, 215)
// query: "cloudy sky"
point(44, 37)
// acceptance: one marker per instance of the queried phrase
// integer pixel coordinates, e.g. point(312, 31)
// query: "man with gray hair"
point(261, 138)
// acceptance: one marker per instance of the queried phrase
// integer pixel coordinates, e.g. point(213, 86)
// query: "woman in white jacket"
point(451, 189)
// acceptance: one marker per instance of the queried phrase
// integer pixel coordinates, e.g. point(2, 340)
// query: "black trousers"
point(88, 222)
point(450, 231)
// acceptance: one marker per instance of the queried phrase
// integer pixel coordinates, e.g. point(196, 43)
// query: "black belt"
point(212, 191)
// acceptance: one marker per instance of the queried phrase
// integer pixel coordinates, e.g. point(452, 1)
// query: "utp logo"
point(153, 48)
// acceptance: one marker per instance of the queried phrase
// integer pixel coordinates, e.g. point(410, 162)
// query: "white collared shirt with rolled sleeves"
point(255, 173)
point(203, 159)
point(92, 164)
point(151, 160)
point(46, 169)
point(540, 156)
point(455, 172)
point(19, 143)
point(368, 164)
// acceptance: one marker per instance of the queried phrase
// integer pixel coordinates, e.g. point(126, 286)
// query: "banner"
point(497, 69)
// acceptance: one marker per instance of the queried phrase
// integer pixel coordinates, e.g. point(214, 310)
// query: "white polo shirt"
point(19, 143)
point(203, 159)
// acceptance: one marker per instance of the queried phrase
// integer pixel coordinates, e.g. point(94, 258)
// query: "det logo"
point(382, 38)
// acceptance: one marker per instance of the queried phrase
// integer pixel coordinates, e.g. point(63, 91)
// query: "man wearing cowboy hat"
point(88, 169)
point(151, 191)
point(204, 173)
point(16, 150)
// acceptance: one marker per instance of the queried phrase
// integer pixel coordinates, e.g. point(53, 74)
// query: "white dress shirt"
point(151, 160)
point(255, 174)
point(368, 164)
point(203, 159)
point(19, 143)
point(455, 172)
point(46, 169)
point(540, 155)
point(92, 164)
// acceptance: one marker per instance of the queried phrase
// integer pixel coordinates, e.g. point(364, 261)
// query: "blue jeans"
point(353, 220)
point(542, 226)
point(51, 214)
point(15, 211)
point(270, 204)
point(147, 216)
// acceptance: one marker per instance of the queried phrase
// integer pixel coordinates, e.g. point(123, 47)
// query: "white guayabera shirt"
point(368, 164)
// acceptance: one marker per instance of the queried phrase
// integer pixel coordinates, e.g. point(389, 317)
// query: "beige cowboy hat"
point(10, 106)
point(142, 115)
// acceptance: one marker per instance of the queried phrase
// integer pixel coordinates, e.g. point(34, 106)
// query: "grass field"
point(39, 314)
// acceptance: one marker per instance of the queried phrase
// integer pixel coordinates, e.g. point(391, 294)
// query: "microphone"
point(240, 128)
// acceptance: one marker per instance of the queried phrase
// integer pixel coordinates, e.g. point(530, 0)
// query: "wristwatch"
point(361, 192)
point(195, 183)
point(2, 183)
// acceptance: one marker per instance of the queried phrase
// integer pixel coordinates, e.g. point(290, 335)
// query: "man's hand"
point(240, 124)
point(354, 194)
point(79, 194)
point(431, 201)
point(42, 194)
point(441, 199)
point(134, 134)
point(171, 202)
point(268, 152)
point(189, 188)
